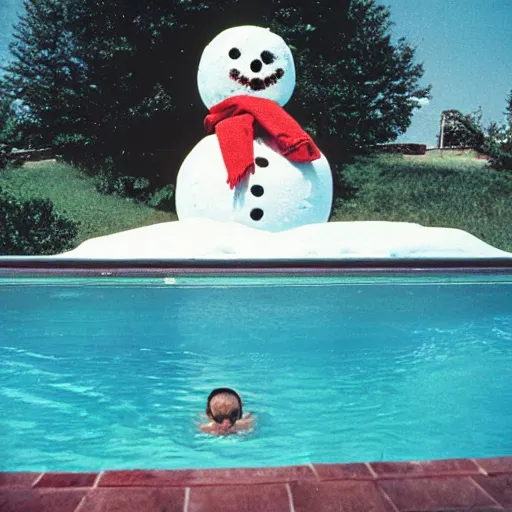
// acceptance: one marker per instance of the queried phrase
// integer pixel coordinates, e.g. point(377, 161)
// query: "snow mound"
point(209, 239)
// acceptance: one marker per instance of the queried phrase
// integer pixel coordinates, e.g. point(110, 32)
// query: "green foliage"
point(117, 79)
point(495, 140)
point(493, 136)
point(508, 110)
point(500, 160)
point(10, 135)
point(75, 193)
point(498, 141)
point(433, 191)
point(443, 192)
point(46, 72)
point(32, 227)
point(109, 181)
point(162, 198)
point(355, 88)
point(463, 130)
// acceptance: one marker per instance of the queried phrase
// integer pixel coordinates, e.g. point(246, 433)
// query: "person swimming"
point(224, 410)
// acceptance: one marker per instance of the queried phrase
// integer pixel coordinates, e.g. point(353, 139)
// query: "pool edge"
point(98, 267)
point(462, 484)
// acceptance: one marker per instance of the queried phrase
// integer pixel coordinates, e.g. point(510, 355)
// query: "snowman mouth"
point(256, 84)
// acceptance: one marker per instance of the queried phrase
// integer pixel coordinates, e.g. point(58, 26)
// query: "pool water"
point(114, 373)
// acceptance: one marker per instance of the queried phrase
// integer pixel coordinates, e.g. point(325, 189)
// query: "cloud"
point(422, 102)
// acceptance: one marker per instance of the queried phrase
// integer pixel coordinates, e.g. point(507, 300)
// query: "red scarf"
point(233, 120)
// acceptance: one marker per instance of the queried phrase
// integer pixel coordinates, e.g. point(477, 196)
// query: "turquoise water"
point(110, 373)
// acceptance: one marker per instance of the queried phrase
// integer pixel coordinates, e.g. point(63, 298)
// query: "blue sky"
point(466, 48)
point(465, 45)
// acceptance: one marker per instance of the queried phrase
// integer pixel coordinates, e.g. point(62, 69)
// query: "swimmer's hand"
point(245, 423)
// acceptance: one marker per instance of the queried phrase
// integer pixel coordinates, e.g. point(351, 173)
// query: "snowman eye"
point(267, 57)
point(234, 53)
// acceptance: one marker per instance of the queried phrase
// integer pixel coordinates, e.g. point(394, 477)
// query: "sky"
point(466, 49)
point(464, 45)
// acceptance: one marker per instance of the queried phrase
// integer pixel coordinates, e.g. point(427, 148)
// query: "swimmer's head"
point(224, 406)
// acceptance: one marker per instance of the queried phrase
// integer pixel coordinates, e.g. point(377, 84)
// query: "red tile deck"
point(67, 480)
point(456, 485)
point(194, 477)
point(239, 498)
point(451, 467)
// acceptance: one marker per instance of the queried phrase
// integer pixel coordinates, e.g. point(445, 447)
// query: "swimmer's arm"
point(207, 428)
point(245, 423)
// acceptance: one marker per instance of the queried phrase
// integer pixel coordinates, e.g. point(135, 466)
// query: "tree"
point(10, 135)
point(507, 135)
point(46, 72)
point(499, 140)
point(508, 110)
point(114, 82)
point(355, 88)
point(462, 130)
point(109, 83)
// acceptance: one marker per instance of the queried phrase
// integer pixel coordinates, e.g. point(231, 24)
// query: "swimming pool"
point(112, 369)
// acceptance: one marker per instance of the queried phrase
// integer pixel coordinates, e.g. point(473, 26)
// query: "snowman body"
point(279, 194)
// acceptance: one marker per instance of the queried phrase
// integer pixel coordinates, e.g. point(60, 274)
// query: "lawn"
point(74, 195)
point(444, 191)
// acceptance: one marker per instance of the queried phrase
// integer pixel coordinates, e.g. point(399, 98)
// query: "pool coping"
point(482, 484)
point(47, 267)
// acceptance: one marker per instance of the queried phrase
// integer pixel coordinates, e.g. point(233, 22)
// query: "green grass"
point(433, 191)
point(74, 195)
point(458, 192)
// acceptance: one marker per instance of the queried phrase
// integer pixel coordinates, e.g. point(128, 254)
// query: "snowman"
point(257, 166)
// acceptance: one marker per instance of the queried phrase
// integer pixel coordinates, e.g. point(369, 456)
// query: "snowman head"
point(246, 60)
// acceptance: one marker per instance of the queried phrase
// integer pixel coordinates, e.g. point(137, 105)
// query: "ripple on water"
point(324, 387)
point(36, 401)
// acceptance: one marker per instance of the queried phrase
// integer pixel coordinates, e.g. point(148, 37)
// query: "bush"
point(123, 186)
point(500, 160)
point(404, 149)
point(4, 155)
point(162, 199)
point(152, 191)
point(498, 145)
point(33, 228)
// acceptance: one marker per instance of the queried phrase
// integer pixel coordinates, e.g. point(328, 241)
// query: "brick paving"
point(452, 485)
